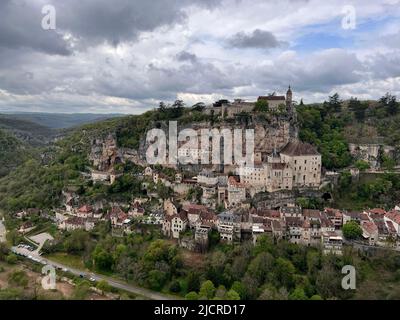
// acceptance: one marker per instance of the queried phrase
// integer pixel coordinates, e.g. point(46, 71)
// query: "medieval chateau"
point(281, 161)
point(290, 164)
point(227, 109)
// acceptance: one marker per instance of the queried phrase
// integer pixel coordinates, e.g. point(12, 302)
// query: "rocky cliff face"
point(371, 153)
point(272, 134)
point(104, 153)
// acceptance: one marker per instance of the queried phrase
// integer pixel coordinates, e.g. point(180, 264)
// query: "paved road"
point(2, 231)
point(112, 282)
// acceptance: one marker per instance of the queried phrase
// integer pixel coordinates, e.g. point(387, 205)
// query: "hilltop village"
point(192, 205)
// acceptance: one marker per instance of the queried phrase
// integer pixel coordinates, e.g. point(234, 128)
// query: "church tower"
point(289, 97)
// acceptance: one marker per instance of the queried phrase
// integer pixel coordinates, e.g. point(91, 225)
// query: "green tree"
point(156, 279)
point(77, 241)
point(192, 296)
point(103, 286)
point(207, 290)
point(285, 271)
point(358, 108)
point(260, 266)
point(103, 259)
point(261, 106)
point(390, 103)
point(362, 165)
point(175, 286)
point(232, 295)
point(12, 259)
point(352, 230)
point(18, 278)
point(3, 251)
point(193, 281)
point(237, 286)
point(298, 294)
point(388, 163)
point(335, 104)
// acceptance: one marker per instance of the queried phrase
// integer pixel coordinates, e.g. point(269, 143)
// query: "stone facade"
point(298, 165)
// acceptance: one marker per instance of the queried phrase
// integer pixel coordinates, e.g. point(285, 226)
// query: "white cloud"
point(128, 55)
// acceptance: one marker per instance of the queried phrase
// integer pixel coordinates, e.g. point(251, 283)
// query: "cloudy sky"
point(127, 55)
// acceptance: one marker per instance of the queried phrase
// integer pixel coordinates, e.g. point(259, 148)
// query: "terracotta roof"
point(75, 221)
point(294, 222)
point(276, 225)
point(394, 216)
point(326, 223)
point(194, 208)
point(353, 214)
point(377, 211)
point(391, 227)
point(207, 216)
point(181, 215)
point(116, 212)
point(267, 213)
point(311, 213)
point(382, 228)
point(369, 227)
point(232, 181)
point(257, 219)
point(299, 149)
point(267, 225)
point(306, 224)
point(331, 213)
point(85, 209)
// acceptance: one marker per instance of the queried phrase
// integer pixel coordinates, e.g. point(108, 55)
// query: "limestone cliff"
point(104, 153)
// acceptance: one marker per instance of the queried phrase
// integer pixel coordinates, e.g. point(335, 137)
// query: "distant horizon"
point(59, 113)
point(170, 102)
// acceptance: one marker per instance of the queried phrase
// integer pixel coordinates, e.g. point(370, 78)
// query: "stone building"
point(228, 109)
point(236, 192)
point(297, 165)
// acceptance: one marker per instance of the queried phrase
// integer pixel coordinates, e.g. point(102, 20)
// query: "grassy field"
point(69, 260)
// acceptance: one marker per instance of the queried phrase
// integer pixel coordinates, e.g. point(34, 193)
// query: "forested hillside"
point(58, 120)
point(325, 125)
point(13, 152)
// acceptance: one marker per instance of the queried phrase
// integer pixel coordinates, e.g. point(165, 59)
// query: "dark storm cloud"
point(186, 56)
point(90, 22)
point(20, 28)
point(168, 48)
point(258, 39)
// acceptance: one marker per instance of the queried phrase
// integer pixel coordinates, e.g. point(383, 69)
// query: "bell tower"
point(289, 97)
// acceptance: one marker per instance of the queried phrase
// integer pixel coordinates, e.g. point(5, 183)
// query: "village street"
point(147, 294)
